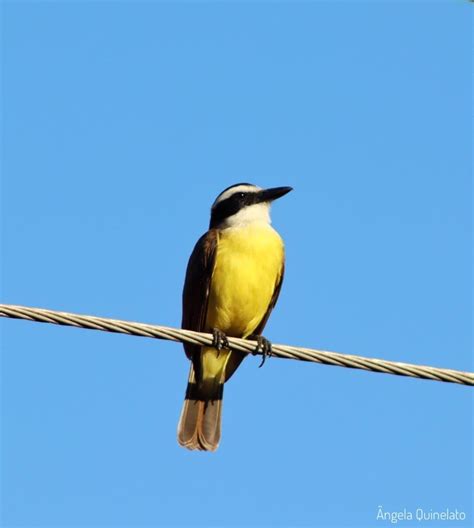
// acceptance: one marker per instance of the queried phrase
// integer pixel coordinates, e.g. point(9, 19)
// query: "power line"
point(199, 338)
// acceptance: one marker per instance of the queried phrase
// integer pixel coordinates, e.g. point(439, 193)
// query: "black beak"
point(268, 195)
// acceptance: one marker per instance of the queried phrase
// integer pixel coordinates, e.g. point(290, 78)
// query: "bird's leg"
point(264, 346)
point(219, 340)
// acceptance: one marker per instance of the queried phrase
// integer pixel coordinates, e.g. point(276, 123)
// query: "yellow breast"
point(247, 268)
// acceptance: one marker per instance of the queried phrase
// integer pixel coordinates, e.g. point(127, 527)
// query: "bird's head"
point(244, 203)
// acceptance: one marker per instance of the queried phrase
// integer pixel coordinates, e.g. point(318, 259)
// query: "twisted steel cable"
point(200, 338)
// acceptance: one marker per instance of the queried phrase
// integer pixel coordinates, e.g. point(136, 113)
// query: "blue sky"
point(121, 123)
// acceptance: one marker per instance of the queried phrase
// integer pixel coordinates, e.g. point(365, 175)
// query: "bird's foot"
point(264, 346)
point(219, 340)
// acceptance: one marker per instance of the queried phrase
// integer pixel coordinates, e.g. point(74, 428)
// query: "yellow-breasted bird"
point(233, 280)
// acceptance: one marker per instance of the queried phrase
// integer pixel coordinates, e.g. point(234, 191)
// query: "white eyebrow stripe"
point(240, 188)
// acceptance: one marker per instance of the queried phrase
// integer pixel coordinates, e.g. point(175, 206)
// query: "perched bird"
point(233, 280)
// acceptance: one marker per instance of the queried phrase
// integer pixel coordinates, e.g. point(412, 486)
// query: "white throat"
point(252, 214)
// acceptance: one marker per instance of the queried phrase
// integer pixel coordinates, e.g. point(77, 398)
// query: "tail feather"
point(200, 422)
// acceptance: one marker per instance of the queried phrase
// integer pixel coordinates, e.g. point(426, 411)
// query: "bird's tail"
point(200, 422)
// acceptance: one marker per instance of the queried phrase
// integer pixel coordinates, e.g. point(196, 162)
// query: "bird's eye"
point(242, 194)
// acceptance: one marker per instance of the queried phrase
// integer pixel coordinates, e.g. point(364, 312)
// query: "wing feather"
point(196, 287)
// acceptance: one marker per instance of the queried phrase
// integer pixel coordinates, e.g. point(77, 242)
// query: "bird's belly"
point(247, 268)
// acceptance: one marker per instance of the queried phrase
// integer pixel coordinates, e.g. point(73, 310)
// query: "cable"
point(199, 338)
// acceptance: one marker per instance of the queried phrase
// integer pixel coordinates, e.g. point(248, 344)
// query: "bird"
point(233, 280)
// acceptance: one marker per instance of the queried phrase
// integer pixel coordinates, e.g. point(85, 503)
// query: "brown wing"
point(237, 357)
point(197, 285)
